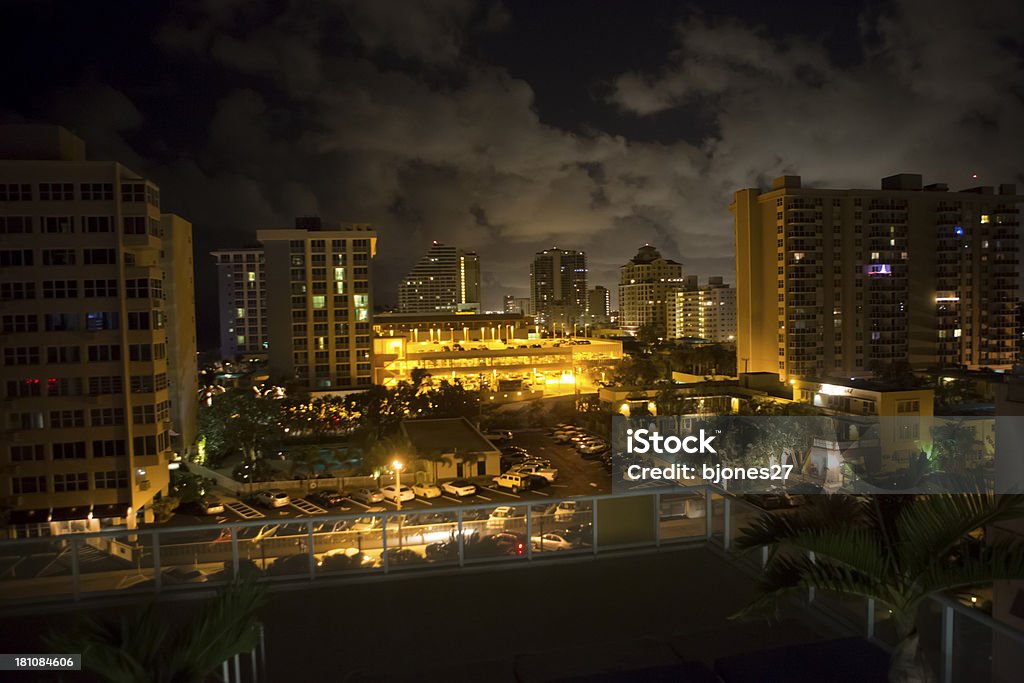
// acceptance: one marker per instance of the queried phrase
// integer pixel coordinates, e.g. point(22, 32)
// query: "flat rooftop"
point(446, 435)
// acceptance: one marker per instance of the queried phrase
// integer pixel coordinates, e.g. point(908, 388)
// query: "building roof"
point(446, 435)
point(462, 318)
point(648, 254)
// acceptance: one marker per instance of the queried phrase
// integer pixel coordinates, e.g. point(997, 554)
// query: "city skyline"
point(629, 133)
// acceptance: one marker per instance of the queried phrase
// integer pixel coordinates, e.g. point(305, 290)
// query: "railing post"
point(238, 668)
point(870, 630)
point(657, 519)
point(593, 541)
point(312, 555)
point(727, 523)
point(946, 646)
point(234, 551)
point(709, 515)
point(810, 590)
point(255, 672)
point(157, 574)
point(263, 649)
point(384, 542)
point(529, 532)
point(764, 558)
point(76, 587)
point(225, 672)
point(462, 542)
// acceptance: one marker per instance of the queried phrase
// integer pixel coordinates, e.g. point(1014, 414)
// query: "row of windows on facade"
point(301, 316)
point(135, 288)
point(95, 353)
point(79, 386)
point(73, 418)
point(62, 257)
point(70, 481)
point(323, 372)
point(65, 192)
point(342, 366)
point(67, 225)
point(297, 277)
point(336, 245)
point(338, 259)
point(99, 321)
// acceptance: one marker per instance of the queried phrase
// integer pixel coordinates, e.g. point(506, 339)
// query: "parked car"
point(368, 523)
point(549, 473)
point(395, 493)
point(459, 488)
point(205, 505)
point(328, 498)
point(504, 514)
point(566, 510)
point(513, 480)
point(426, 490)
point(551, 541)
point(343, 558)
point(273, 498)
point(366, 496)
point(498, 436)
point(186, 575)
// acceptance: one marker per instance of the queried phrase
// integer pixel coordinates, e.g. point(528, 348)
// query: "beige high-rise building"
point(319, 303)
point(86, 271)
point(840, 283)
point(182, 366)
point(646, 283)
point(242, 304)
point(707, 312)
point(558, 286)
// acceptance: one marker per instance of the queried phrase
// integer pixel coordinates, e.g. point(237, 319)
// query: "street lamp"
point(397, 465)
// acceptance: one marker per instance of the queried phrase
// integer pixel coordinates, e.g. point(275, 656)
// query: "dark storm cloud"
point(377, 111)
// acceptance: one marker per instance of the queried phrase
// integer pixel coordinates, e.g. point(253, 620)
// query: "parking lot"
point(576, 477)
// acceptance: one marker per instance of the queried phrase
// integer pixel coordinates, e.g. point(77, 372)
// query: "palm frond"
point(1001, 560)
point(225, 626)
point(820, 513)
point(934, 524)
point(857, 548)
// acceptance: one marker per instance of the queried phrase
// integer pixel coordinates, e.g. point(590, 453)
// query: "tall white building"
point(445, 279)
point(242, 304)
point(707, 312)
point(86, 271)
point(646, 284)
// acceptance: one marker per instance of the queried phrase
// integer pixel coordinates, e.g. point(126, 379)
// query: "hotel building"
point(319, 303)
point(646, 284)
point(242, 304)
point(707, 312)
point(90, 273)
point(839, 283)
point(445, 279)
point(558, 285)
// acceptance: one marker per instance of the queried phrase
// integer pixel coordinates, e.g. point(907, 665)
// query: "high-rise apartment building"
point(707, 312)
point(599, 305)
point(558, 284)
point(445, 279)
point(86, 271)
point(844, 282)
point(646, 283)
point(319, 303)
point(242, 304)
point(180, 306)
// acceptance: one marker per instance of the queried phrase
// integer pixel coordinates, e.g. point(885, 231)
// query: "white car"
point(395, 493)
point(368, 523)
point(459, 488)
point(273, 498)
point(549, 473)
point(551, 541)
point(425, 490)
point(504, 514)
point(367, 496)
point(566, 510)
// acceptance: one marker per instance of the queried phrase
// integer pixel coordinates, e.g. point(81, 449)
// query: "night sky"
point(516, 126)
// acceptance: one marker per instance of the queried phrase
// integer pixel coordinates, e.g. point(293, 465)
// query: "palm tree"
point(954, 444)
point(142, 648)
point(898, 550)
